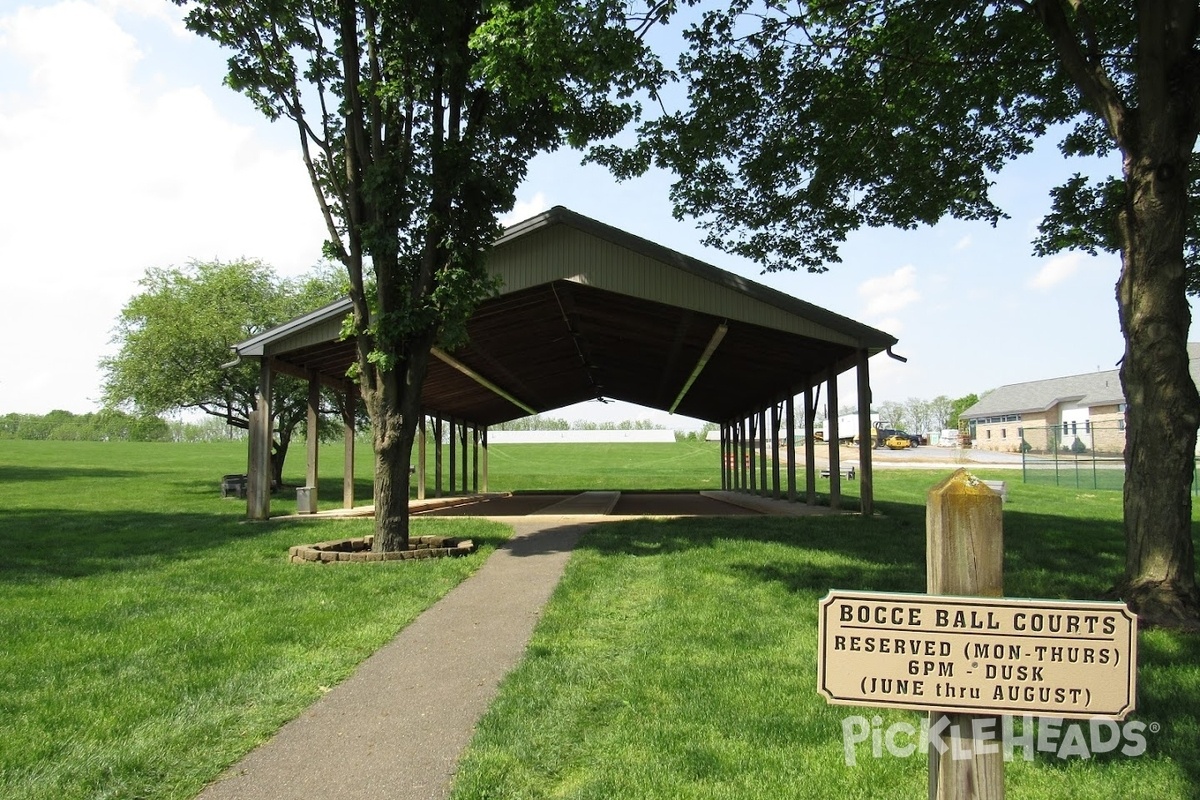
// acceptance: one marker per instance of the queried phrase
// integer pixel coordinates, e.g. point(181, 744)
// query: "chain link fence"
point(1083, 456)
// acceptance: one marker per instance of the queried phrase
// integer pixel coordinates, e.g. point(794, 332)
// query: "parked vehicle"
point(847, 428)
point(888, 433)
point(897, 442)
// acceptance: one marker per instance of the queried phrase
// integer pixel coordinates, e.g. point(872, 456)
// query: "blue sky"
point(121, 150)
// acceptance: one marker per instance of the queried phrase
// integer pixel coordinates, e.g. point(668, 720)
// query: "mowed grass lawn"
point(150, 637)
point(677, 659)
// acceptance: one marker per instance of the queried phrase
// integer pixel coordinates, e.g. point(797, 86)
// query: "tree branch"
point(1090, 78)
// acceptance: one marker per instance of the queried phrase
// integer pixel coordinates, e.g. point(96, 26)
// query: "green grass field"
point(677, 659)
point(512, 467)
point(151, 637)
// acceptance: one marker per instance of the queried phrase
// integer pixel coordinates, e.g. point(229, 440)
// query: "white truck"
point(847, 425)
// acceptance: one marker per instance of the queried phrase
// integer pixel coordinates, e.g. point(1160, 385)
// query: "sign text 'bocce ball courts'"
point(976, 655)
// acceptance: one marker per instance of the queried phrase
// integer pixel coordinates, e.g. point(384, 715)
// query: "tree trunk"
point(395, 411)
point(1163, 404)
point(278, 456)
point(391, 484)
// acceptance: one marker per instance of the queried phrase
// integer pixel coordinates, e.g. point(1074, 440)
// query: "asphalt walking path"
point(396, 727)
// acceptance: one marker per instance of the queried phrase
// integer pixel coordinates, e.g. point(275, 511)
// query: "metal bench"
point(848, 472)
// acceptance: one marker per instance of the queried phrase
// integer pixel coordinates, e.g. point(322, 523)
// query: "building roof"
point(1089, 390)
point(588, 311)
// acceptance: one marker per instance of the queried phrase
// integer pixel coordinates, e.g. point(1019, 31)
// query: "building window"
point(1074, 428)
point(1087, 426)
point(1065, 429)
point(1004, 433)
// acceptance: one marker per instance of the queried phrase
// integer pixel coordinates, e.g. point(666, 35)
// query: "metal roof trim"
point(874, 340)
point(256, 346)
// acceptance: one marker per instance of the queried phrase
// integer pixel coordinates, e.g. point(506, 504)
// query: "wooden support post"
point(730, 440)
point(349, 412)
point(752, 459)
point(732, 463)
point(260, 474)
point(453, 457)
point(466, 456)
point(422, 433)
point(475, 459)
point(762, 452)
point(735, 455)
point(835, 452)
point(739, 458)
point(483, 438)
point(313, 440)
point(437, 456)
point(964, 547)
point(725, 456)
point(743, 459)
point(253, 458)
point(866, 438)
point(775, 419)
point(734, 438)
point(810, 447)
point(731, 454)
point(789, 417)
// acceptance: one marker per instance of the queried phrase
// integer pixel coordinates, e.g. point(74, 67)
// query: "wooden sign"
point(977, 655)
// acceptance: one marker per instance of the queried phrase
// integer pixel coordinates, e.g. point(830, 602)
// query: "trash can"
point(233, 486)
point(306, 500)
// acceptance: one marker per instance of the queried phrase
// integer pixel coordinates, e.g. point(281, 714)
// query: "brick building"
point(1081, 412)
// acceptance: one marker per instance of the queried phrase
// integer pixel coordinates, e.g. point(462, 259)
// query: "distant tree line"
point(918, 415)
point(112, 425)
point(541, 422)
point(99, 426)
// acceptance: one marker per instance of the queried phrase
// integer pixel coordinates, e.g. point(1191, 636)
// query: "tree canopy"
point(174, 341)
point(808, 120)
point(416, 122)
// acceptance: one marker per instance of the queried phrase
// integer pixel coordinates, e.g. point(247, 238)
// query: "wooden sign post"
point(964, 552)
point(966, 654)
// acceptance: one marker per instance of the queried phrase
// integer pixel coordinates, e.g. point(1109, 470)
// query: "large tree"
point(808, 120)
point(174, 341)
point(416, 121)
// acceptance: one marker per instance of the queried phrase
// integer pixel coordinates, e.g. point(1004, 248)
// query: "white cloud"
point(1057, 270)
point(109, 171)
point(167, 13)
point(888, 294)
point(893, 325)
point(963, 243)
point(524, 209)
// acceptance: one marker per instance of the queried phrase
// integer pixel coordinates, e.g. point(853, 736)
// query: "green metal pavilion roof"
point(589, 311)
